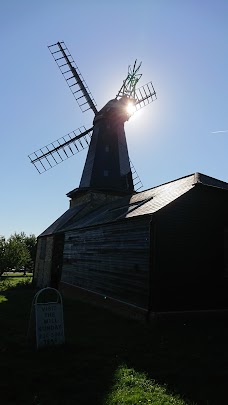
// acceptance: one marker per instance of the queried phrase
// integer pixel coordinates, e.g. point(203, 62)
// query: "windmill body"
point(107, 165)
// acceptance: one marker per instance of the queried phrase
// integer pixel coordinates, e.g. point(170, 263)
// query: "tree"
point(19, 251)
point(17, 254)
point(2, 254)
point(31, 244)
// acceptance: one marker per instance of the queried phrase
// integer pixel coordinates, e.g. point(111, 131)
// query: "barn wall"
point(42, 273)
point(111, 260)
point(189, 244)
point(57, 259)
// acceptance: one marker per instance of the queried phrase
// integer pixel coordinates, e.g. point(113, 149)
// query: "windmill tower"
point(107, 166)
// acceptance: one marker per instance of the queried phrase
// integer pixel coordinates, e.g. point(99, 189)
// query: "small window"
point(107, 148)
point(105, 173)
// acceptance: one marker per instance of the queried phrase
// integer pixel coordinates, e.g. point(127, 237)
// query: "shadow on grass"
point(190, 356)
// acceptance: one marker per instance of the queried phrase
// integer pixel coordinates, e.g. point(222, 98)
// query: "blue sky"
point(184, 51)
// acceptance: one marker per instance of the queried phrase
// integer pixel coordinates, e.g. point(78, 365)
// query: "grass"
point(132, 388)
point(109, 360)
point(12, 280)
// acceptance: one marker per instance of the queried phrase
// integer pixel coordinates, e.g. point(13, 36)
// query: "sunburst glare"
point(131, 108)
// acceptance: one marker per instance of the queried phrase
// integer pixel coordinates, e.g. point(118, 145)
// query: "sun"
point(130, 108)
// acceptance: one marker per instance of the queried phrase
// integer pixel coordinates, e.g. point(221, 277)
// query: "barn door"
point(57, 260)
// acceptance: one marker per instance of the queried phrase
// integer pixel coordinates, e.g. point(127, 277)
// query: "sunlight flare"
point(131, 109)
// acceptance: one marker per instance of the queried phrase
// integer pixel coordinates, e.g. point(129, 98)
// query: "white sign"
point(49, 320)
point(49, 325)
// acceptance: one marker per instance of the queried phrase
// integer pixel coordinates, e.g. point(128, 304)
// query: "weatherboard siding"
point(111, 260)
point(42, 274)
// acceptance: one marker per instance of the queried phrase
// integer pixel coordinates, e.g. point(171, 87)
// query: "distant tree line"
point(18, 252)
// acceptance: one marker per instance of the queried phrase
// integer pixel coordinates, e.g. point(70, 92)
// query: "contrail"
point(219, 132)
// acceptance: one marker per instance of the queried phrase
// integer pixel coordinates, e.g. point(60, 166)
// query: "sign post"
point(48, 318)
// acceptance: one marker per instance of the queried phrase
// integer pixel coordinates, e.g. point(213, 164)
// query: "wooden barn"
point(162, 249)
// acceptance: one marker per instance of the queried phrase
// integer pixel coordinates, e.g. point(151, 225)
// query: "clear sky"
point(183, 46)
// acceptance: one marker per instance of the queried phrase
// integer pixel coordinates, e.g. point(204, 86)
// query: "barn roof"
point(142, 203)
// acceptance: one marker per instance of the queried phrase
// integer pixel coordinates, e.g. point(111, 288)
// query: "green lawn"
point(109, 360)
point(11, 280)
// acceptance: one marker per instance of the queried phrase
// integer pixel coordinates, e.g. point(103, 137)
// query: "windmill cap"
point(114, 109)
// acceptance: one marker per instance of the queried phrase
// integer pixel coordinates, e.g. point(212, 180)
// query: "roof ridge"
point(197, 179)
point(167, 182)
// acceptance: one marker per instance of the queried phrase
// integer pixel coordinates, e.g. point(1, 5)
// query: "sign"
point(49, 324)
point(48, 318)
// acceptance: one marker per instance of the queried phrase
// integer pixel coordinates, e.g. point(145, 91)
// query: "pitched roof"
point(143, 203)
point(63, 220)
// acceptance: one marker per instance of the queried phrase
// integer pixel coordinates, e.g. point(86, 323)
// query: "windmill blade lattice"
point(135, 177)
point(73, 76)
point(63, 148)
point(144, 95)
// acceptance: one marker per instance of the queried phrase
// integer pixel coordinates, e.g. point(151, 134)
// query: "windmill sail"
point(73, 77)
point(63, 148)
point(135, 177)
point(144, 95)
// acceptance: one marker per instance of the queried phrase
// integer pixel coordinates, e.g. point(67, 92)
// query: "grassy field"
point(109, 360)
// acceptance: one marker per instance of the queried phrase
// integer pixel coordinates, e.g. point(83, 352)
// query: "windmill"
point(107, 165)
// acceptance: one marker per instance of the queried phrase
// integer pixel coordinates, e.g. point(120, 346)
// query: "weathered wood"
point(42, 273)
point(112, 260)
